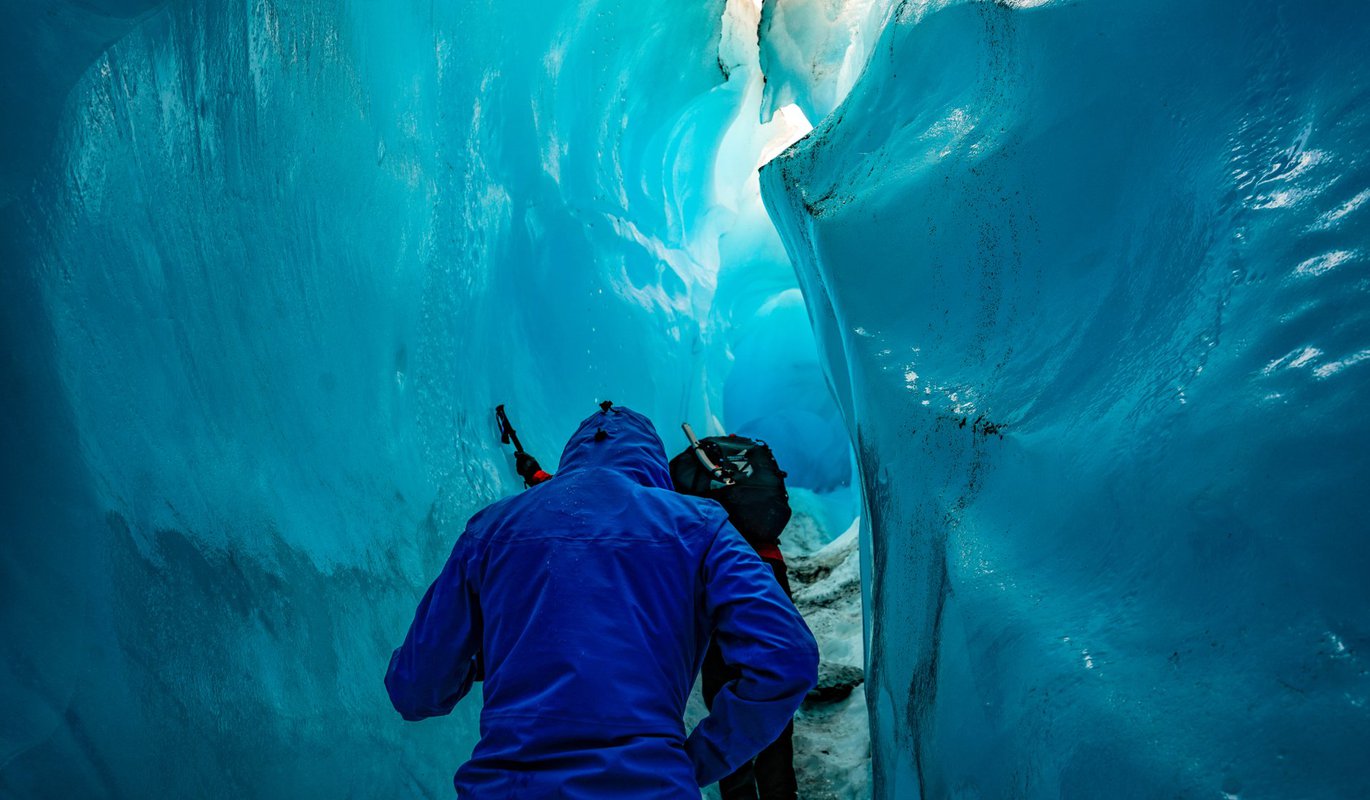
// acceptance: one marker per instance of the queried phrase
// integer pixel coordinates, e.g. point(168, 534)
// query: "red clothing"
point(769, 552)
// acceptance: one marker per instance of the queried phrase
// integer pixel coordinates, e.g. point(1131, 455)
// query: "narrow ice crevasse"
point(1081, 282)
point(776, 391)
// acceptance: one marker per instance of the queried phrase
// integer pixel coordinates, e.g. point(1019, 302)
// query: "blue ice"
point(1070, 295)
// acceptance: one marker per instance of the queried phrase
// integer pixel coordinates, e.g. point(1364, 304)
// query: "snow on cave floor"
point(831, 731)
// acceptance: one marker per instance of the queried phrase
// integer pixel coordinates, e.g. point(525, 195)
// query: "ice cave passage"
point(1055, 310)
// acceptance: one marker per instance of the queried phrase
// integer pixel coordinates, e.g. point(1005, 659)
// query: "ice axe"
point(703, 457)
point(506, 430)
point(527, 466)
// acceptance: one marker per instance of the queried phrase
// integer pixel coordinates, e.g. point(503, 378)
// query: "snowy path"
point(832, 736)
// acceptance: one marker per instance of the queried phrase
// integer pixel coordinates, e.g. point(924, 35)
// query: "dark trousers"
point(769, 776)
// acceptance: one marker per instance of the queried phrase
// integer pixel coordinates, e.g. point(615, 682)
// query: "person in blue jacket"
point(588, 602)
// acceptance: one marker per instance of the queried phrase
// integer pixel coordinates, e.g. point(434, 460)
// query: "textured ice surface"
point(1090, 278)
point(812, 51)
point(267, 267)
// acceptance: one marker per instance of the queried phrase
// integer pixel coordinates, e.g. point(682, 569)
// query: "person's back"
point(590, 599)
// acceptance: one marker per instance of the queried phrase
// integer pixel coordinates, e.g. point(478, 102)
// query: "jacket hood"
point(628, 444)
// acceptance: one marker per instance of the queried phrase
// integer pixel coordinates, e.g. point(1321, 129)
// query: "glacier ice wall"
point(1090, 282)
point(267, 266)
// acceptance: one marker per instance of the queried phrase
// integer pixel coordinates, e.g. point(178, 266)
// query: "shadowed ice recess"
point(1065, 299)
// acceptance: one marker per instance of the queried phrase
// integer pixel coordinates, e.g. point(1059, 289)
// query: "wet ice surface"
point(268, 268)
point(1088, 282)
point(1107, 395)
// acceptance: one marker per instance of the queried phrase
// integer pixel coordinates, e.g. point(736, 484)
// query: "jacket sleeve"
point(761, 633)
point(440, 657)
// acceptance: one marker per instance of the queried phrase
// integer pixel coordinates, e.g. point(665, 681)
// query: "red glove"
point(529, 469)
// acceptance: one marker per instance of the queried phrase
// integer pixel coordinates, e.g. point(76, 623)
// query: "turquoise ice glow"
point(1083, 283)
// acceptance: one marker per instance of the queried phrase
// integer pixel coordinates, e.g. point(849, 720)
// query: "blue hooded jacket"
point(590, 600)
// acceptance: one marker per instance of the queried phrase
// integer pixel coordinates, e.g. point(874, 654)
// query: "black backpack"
point(751, 488)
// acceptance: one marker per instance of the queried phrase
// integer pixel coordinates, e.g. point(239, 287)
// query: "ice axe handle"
point(702, 456)
point(506, 431)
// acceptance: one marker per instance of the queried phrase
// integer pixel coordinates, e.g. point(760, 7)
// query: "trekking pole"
point(703, 457)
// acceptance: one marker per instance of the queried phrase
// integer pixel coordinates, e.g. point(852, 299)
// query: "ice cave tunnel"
point(1055, 311)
